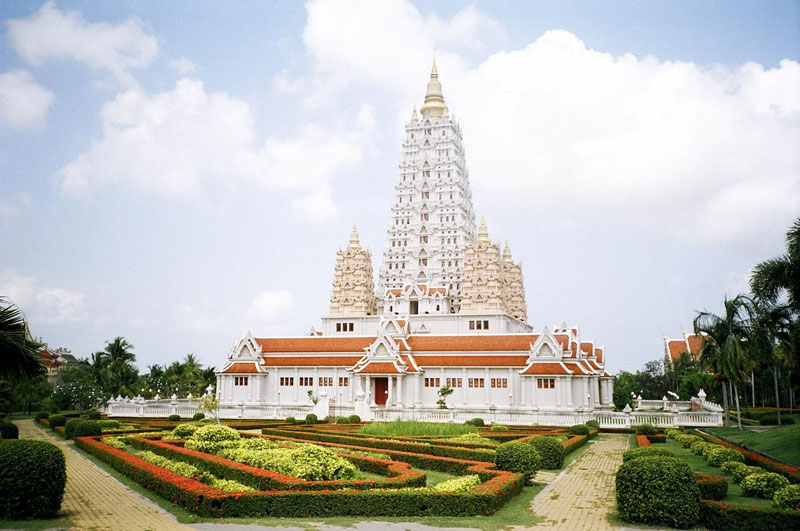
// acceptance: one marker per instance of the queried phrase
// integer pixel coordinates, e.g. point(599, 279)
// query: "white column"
point(315, 383)
point(533, 392)
point(370, 394)
point(585, 392)
point(568, 386)
point(511, 387)
point(400, 380)
point(559, 390)
point(390, 391)
point(522, 397)
point(464, 386)
point(486, 386)
point(296, 386)
point(417, 378)
point(276, 380)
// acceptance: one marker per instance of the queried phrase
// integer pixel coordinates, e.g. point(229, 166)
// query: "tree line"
point(750, 351)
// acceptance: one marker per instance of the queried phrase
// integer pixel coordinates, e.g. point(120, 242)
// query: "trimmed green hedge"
point(174, 417)
point(69, 427)
point(720, 455)
point(56, 420)
point(658, 490)
point(518, 457)
point(763, 485)
point(34, 474)
point(550, 450)
point(579, 429)
point(723, 516)
point(9, 430)
point(87, 428)
point(645, 429)
point(787, 498)
point(645, 451)
point(712, 487)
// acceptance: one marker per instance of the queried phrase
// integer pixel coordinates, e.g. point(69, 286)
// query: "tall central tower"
point(432, 217)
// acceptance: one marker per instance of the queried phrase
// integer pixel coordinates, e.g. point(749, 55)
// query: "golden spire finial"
point(434, 72)
point(354, 243)
point(434, 106)
point(483, 232)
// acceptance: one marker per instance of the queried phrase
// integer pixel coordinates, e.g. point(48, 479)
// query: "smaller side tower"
point(515, 286)
point(483, 282)
point(353, 289)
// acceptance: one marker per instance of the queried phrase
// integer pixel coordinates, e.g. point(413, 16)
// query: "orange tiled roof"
point(471, 361)
point(587, 348)
point(310, 361)
point(676, 347)
point(242, 368)
point(546, 368)
point(695, 343)
point(314, 344)
point(476, 343)
point(599, 354)
point(378, 368)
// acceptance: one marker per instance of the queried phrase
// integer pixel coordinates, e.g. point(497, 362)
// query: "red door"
point(381, 391)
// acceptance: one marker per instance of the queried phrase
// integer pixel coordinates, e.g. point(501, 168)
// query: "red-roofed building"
point(688, 344)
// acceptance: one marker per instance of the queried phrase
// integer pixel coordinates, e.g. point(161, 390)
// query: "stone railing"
point(659, 420)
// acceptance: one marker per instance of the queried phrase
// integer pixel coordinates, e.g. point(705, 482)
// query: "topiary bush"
point(109, 424)
point(739, 474)
point(658, 490)
point(712, 487)
point(55, 421)
point(477, 422)
point(699, 447)
point(9, 430)
point(69, 427)
point(257, 443)
point(354, 419)
point(772, 420)
point(720, 455)
point(291, 420)
point(198, 416)
point(550, 451)
point(687, 440)
point(462, 484)
point(184, 431)
point(311, 418)
point(34, 474)
point(518, 457)
point(174, 418)
point(729, 467)
point(763, 485)
point(787, 497)
point(41, 415)
point(213, 438)
point(499, 427)
point(93, 414)
point(579, 429)
point(645, 451)
point(592, 424)
point(87, 428)
point(342, 420)
point(646, 429)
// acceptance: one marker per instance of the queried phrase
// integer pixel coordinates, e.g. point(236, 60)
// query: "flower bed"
point(724, 516)
point(642, 441)
point(754, 459)
point(496, 488)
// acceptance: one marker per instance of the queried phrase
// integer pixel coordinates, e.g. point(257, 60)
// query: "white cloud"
point(51, 33)
point(23, 102)
point(182, 142)
point(42, 303)
point(184, 66)
point(9, 209)
point(271, 311)
point(270, 306)
point(705, 153)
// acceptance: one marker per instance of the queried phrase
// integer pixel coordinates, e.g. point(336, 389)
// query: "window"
point(471, 323)
point(287, 381)
point(432, 382)
point(240, 380)
point(546, 383)
point(326, 381)
point(306, 381)
point(475, 383)
point(424, 217)
point(348, 327)
point(499, 383)
point(423, 239)
point(344, 381)
point(426, 195)
point(423, 261)
point(453, 382)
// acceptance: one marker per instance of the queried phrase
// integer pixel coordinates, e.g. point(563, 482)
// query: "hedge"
point(712, 487)
point(9, 430)
point(658, 438)
point(579, 429)
point(87, 428)
point(658, 490)
point(724, 516)
point(56, 420)
point(787, 497)
point(721, 455)
point(642, 441)
point(647, 451)
point(518, 457)
point(206, 501)
point(755, 459)
point(763, 485)
point(550, 450)
point(70, 425)
point(645, 429)
point(34, 474)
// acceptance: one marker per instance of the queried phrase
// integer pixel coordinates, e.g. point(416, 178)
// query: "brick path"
point(582, 496)
point(95, 500)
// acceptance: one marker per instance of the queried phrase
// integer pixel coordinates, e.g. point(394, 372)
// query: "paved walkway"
point(95, 500)
point(582, 495)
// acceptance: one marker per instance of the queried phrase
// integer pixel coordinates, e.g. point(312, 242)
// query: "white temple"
point(449, 311)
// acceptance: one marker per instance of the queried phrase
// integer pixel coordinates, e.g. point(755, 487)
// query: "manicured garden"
point(685, 479)
point(779, 442)
point(329, 469)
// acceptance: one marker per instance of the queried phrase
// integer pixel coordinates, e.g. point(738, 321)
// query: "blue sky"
point(177, 173)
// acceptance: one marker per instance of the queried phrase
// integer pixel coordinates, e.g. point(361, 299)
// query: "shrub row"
point(712, 487)
point(755, 459)
point(9, 430)
point(206, 501)
point(724, 516)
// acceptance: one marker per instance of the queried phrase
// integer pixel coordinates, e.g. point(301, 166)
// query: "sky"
point(178, 173)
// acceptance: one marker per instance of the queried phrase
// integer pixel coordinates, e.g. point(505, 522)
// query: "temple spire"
point(354, 243)
point(434, 72)
point(414, 117)
point(434, 107)
point(483, 232)
point(507, 253)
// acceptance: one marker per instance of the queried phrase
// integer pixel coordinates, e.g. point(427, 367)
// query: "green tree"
point(772, 278)
point(19, 353)
point(724, 349)
point(122, 375)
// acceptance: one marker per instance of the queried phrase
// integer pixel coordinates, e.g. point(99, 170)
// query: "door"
point(381, 391)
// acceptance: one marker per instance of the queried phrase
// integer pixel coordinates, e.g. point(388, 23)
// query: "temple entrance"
point(381, 391)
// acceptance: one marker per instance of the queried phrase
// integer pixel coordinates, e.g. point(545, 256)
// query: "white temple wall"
point(434, 324)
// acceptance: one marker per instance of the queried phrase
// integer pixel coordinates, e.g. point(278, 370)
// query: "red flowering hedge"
point(206, 501)
point(575, 442)
point(724, 516)
point(400, 475)
point(642, 441)
point(754, 459)
point(712, 487)
point(659, 438)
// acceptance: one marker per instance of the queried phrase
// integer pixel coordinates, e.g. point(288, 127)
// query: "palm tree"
point(122, 374)
point(191, 372)
point(19, 353)
point(724, 348)
point(769, 339)
point(769, 279)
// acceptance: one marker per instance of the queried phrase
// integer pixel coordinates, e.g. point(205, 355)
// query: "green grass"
point(779, 442)
point(700, 465)
point(52, 523)
point(434, 477)
point(411, 428)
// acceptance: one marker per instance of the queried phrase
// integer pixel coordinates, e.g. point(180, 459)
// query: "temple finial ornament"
point(354, 243)
point(507, 253)
point(483, 232)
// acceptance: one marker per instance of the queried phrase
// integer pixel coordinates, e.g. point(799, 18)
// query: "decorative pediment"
point(546, 347)
point(245, 348)
point(383, 355)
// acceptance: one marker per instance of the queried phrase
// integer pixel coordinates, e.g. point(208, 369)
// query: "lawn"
point(779, 442)
point(412, 428)
point(700, 465)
